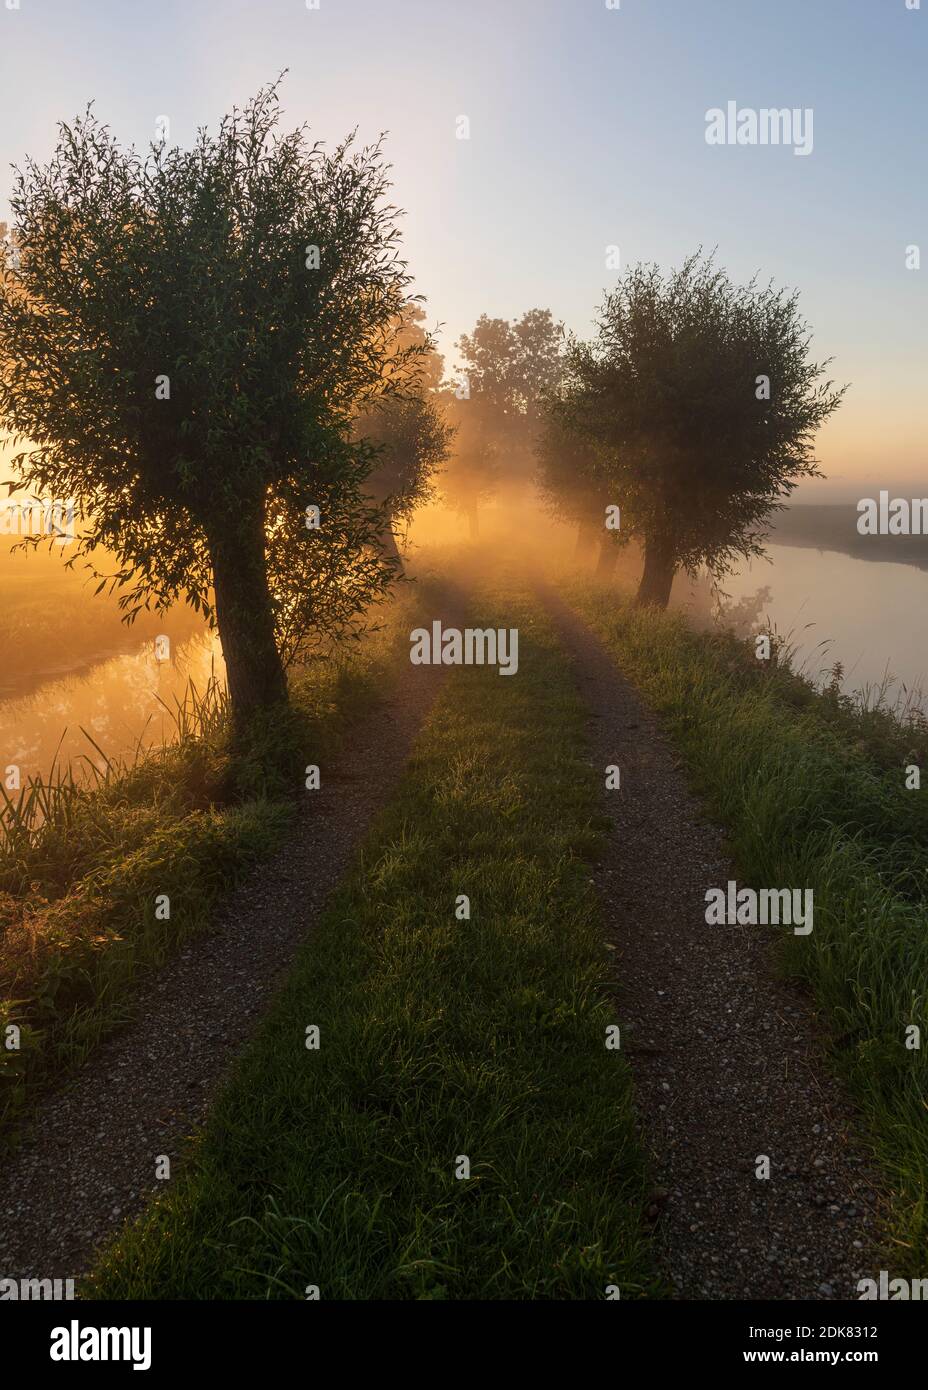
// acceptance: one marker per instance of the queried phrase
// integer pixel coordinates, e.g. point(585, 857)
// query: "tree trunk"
point(390, 548)
point(473, 517)
point(587, 532)
point(244, 616)
point(657, 577)
point(608, 556)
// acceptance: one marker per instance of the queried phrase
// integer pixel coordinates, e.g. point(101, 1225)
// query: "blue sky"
point(587, 130)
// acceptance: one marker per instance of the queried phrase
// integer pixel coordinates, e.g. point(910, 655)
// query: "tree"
point(574, 483)
point(510, 367)
point(411, 440)
point(507, 369)
point(407, 430)
point(326, 561)
point(473, 472)
point(186, 342)
point(705, 401)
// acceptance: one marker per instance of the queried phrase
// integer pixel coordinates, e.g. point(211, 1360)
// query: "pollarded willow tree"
point(184, 342)
point(704, 400)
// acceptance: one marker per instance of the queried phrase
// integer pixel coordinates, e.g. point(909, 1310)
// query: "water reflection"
point(871, 616)
point(118, 702)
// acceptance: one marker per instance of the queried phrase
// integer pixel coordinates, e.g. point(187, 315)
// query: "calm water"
point(873, 616)
point(118, 702)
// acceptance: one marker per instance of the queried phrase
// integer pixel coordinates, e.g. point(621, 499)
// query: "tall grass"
point(45, 806)
point(85, 852)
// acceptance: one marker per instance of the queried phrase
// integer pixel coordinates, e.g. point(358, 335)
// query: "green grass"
point(811, 789)
point(439, 1038)
point(81, 865)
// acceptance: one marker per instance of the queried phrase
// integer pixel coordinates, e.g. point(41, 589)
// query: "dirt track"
point(727, 1059)
point(90, 1160)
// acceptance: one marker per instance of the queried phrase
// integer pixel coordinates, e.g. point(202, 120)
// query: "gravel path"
point(90, 1160)
point(727, 1059)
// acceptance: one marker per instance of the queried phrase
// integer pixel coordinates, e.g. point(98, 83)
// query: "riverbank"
point(835, 526)
point(811, 789)
point(100, 883)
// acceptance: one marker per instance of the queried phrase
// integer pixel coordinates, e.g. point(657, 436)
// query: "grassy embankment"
point(812, 790)
point(80, 868)
point(439, 1038)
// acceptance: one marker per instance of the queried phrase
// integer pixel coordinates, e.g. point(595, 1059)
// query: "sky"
point(587, 130)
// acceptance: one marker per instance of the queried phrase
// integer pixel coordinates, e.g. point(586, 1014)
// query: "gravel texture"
point(89, 1162)
point(727, 1059)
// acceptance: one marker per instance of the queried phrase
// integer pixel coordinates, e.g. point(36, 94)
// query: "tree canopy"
point(407, 429)
point(508, 367)
point(185, 343)
point(704, 401)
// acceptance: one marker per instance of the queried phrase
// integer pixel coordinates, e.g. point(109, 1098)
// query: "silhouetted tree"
point(574, 483)
point(473, 470)
point(412, 441)
point(186, 342)
point(703, 397)
point(407, 429)
point(509, 367)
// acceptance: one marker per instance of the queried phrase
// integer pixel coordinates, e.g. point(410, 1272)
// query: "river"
point(119, 702)
point(870, 615)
